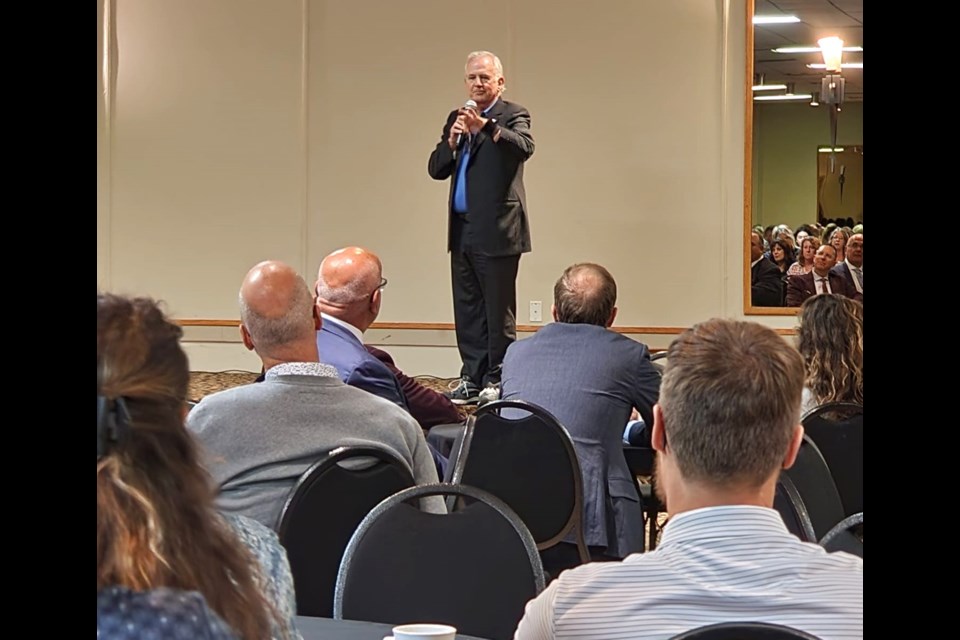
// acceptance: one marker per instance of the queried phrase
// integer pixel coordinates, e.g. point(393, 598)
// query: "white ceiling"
point(818, 19)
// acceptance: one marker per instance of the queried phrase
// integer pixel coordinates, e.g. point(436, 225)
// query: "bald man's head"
point(276, 309)
point(586, 293)
point(348, 285)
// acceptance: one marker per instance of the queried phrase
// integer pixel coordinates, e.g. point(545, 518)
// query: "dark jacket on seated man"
point(590, 378)
point(766, 284)
point(427, 406)
point(801, 287)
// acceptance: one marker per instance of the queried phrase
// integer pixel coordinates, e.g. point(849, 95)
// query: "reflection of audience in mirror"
point(831, 343)
point(820, 280)
point(766, 284)
point(804, 262)
point(156, 521)
point(852, 266)
point(839, 239)
point(782, 254)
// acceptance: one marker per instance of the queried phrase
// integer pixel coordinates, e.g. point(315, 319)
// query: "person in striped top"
point(727, 422)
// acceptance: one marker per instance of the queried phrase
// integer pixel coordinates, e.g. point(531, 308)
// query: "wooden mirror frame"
point(748, 308)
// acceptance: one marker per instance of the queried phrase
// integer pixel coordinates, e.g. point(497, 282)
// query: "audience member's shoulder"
point(252, 533)
point(158, 613)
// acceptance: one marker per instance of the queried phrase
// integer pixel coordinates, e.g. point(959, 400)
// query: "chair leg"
point(652, 515)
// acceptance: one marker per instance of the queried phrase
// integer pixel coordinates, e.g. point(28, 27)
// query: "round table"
point(327, 628)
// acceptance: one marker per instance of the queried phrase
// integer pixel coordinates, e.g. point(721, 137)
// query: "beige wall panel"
point(383, 76)
point(625, 98)
point(207, 148)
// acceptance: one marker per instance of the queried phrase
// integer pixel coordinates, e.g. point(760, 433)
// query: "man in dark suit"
point(590, 378)
point(851, 268)
point(766, 281)
point(820, 280)
point(482, 150)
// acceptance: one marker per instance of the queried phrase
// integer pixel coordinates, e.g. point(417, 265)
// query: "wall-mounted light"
point(832, 49)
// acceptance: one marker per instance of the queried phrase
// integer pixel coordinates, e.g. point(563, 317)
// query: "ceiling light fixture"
point(832, 49)
point(784, 96)
point(769, 87)
point(782, 19)
point(812, 49)
point(845, 65)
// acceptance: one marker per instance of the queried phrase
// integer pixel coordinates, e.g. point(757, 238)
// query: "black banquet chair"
point(844, 536)
point(474, 568)
point(814, 485)
point(745, 631)
point(837, 429)
point(528, 462)
point(324, 509)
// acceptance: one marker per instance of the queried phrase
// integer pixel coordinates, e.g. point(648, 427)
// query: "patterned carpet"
point(203, 383)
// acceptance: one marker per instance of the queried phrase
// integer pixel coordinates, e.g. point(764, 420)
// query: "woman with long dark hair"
point(157, 526)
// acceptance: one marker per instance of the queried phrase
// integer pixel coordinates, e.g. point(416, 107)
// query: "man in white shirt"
point(727, 422)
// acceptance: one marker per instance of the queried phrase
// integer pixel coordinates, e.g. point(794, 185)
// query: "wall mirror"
point(803, 157)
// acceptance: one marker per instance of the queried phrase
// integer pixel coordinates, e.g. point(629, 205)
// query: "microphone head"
point(470, 104)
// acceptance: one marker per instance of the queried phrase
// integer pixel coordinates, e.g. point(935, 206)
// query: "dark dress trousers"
point(485, 243)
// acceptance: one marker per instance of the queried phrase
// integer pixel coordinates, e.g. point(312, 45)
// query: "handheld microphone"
point(469, 104)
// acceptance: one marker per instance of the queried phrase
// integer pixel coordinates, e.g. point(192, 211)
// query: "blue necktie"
point(460, 191)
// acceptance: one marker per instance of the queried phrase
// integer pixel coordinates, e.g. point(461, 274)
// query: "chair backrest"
point(814, 483)
point(789, 504)
point(529, 463)
point(744, 631)
point(474, 568)
point(843, 537)
point(837, 428)
point(656, 359)
point(322, 512)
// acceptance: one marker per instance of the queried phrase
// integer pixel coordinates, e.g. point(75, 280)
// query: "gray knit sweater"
point(259, 438)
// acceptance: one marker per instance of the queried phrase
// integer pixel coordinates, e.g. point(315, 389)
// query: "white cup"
point(420, 631)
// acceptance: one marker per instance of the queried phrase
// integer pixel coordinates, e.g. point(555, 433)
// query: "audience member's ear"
point(245, 336)
point(553, 312)
point(375, 301)
point(317, 319)
point(795, 441)
point(658, 437)
point(613, 316)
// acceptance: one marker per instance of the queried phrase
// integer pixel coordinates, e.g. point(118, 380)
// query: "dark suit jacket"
point(801, 287)
point(766, 284)
point(496, 218)
point(341, 349)
point(590, 378)
point(426, 405)
point(842, 269)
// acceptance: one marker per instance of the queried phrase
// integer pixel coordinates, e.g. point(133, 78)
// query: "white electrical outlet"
point(536, 311)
